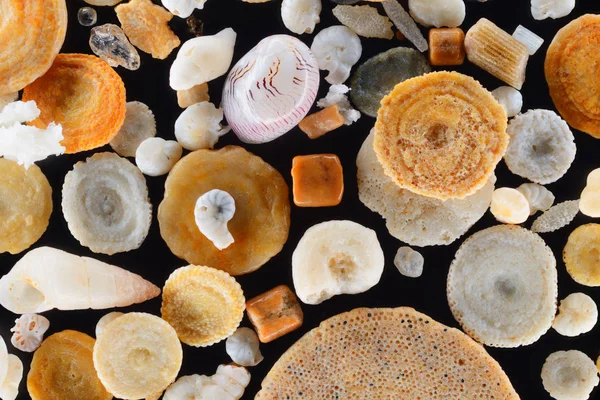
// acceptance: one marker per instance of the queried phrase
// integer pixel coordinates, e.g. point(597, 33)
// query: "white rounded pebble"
point(156, 156)
point(509, 98)
point(577, 314)
point(438, 13)
point(301, 16)
point(542, 9)
point(409, 262)
point(243, 347)
point(509, 206)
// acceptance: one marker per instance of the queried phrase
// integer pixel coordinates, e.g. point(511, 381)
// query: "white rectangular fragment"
point(532, 41)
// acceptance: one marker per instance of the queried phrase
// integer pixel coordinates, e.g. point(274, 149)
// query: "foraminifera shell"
point(271, 89)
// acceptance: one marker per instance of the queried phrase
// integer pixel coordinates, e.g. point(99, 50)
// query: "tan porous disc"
point(440, 135)
point(502, 286)
point(261, 221)
point(386, 353)
point(572, 76)
point(31, 35)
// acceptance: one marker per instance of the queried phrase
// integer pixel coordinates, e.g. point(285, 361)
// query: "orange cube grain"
point(318, 180)
point(322, 122)
point(275, 313)
point(446, 46)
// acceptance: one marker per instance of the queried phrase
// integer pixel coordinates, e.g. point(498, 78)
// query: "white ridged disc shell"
point(271, 89)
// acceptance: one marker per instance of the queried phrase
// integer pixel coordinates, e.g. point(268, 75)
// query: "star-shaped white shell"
point(29, 332)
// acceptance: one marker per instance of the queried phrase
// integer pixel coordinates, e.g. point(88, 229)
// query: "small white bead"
point(156, 156)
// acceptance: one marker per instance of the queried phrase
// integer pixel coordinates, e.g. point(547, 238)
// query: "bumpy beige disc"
point(25, 206)
point(502, 286)
point(412, 218)
point(137, 355)
point(386, 353)
point(261, 222)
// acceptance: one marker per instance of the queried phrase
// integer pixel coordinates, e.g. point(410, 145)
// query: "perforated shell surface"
point(385, 353)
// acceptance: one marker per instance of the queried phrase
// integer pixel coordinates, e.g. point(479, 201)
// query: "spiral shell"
point(271, 89)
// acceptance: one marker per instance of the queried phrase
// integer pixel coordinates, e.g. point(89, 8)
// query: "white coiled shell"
point(337, 49)
point(271, 89)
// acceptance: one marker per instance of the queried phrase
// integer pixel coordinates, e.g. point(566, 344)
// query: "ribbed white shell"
point(271, 89)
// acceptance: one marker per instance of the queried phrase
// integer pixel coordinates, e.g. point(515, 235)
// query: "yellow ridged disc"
point(203, 304)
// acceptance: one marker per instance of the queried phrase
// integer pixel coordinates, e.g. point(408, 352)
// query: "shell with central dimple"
point(271, 89)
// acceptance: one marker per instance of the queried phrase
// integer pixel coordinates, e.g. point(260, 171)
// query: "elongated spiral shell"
point(271, 89)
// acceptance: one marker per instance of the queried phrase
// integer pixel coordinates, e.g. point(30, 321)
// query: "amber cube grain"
point(275, 313)
point(446, 46)
point(318, 180)
point(322, 122)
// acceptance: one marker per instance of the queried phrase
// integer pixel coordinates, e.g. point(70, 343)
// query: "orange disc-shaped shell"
point(572, 73)
point(83, 94)
point(261, 221)
point(440, 135)
point(31, 35)
point(63, 368)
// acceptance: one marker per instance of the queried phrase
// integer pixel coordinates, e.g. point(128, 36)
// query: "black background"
point(427, 294)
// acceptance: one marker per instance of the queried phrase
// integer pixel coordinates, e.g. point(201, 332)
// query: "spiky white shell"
point(301, 16)
point(28, 332)
point(337, 49)
point(271, 89)
point(213, 210)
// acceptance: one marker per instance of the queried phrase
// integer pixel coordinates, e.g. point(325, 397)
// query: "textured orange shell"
point(63, 368)
point(571, 75)
point(83, 94)
point(261, 222)
point(31, 35)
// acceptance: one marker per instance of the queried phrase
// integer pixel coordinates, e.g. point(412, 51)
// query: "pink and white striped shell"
point(271, 89)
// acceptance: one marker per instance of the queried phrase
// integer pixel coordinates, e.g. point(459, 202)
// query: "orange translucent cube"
point(446, 46)
point(322, 122)
point(275, 313)
point(318, 180)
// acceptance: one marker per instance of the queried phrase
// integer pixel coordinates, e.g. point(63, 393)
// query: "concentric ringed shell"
point(31, 35)
point(271, 89)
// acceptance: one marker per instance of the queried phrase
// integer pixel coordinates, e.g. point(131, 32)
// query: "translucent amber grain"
point(318, 180)
point(446, 46)
point(322, 122)
point(275, 313)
